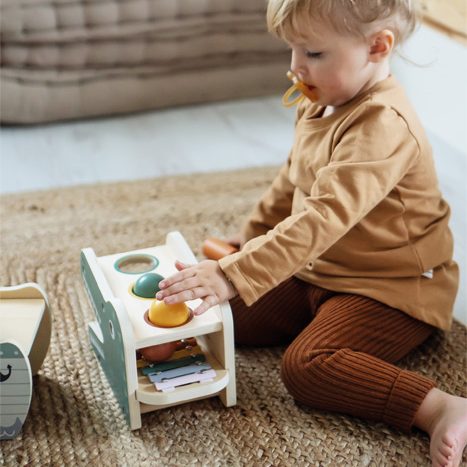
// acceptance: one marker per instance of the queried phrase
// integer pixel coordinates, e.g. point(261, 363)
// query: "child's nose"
point(297, 66)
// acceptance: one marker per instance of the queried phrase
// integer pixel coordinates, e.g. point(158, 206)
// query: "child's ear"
point(381, 45)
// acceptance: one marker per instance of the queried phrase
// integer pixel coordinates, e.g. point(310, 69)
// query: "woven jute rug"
point(74, 418)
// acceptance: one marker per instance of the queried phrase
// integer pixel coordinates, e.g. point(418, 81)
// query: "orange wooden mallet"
point(215, 248)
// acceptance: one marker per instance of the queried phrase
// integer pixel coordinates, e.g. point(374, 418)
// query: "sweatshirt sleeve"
point(369, 157)
point(276, 203)
point(274, 206)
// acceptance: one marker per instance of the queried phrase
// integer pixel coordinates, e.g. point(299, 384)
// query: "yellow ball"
point(168, 316)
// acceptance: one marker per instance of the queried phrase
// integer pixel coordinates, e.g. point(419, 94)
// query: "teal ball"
point(147, 285)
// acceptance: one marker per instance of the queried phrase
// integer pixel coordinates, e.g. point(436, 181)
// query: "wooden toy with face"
point(15, 389)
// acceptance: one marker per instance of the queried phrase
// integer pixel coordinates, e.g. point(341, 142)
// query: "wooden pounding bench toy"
point(25, 329)
point(121, 291)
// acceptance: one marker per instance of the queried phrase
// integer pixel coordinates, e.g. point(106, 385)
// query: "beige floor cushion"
point(74, 59)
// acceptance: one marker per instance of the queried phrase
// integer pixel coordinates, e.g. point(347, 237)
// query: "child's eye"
point(313, 54)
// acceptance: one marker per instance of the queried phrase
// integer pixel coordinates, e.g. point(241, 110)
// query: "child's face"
point(337, 66)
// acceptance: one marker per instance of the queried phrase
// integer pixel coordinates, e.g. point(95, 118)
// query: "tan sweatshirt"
point(356, 208)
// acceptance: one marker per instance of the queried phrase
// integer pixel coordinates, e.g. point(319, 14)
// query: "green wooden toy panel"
point(110, 351)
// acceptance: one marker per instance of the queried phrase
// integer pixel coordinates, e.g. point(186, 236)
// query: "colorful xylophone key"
point(171, 364)
point(171, 384)
point(199, 367)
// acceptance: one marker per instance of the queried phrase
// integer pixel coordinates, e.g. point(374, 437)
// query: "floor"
point(220, 136)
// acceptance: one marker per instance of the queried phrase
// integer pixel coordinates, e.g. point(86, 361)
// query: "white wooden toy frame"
point(120, 330)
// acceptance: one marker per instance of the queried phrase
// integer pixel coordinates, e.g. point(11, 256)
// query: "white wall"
point(437, 86)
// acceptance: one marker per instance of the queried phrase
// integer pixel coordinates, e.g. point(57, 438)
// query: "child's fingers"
point(181, 266)
point(186, 295)
point(192, 286)
point(187, 284)
point(207, 303)
point(177, 277)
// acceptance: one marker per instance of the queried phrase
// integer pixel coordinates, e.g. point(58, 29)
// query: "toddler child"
point(348, 255)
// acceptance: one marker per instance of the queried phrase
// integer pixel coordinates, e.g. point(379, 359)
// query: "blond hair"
point(286, 18)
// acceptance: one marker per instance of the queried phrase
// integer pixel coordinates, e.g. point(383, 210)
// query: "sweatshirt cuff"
point(231, 269)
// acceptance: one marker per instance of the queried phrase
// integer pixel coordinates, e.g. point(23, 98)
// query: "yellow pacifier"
point(297, 91)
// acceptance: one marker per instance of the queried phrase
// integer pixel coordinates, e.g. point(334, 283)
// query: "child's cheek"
point(337, 83)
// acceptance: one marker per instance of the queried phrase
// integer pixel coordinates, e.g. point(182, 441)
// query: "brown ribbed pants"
point(342, 350)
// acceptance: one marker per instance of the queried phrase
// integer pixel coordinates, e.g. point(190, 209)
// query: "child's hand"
point(204, 280)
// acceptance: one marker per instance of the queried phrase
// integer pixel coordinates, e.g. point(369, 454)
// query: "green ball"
point(147, 285)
